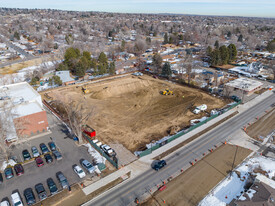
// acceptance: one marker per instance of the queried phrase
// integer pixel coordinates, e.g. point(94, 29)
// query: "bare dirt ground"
point(189, 188)
point(131, 110)
point(263, 126)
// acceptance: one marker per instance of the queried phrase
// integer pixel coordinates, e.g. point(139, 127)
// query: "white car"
point(16, 200)
point(5, 203)
point(108, 150)
point(79, 171)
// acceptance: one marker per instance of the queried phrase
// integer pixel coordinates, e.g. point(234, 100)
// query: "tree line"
point(78, 63)
point(221, 55)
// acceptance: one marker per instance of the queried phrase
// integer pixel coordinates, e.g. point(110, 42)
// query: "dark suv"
point(26, 155)
point(41, 191)
point(158, 165)
point(52, 186)
point(29, 196)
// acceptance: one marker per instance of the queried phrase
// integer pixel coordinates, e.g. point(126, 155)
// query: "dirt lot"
point(131, 110)
point(263, 126)
point(191, 187)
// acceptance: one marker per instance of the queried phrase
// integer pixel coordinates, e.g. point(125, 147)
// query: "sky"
point(253, 8)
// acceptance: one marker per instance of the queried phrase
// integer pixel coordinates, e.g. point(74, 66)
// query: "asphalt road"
point(142, 184)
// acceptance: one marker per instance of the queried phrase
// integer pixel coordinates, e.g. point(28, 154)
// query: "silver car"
point(35, 152)
point(88, 166)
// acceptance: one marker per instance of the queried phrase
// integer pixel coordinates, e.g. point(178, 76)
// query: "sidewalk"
point(144, 163)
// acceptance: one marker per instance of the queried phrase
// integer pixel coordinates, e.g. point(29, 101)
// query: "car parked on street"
point(48, 158)
point(57, 155)
point(159, 164)
point(19, 170)
point(26, 155)
point(16, 200)
point(39, 161)
point(29, 196)
point(35, 152)
point(44, 148)
point(62, 180)
point(52, 146)
point(42, 194)
point(79, 171)
point(88, 166)
point(8, 173)
point(4, 203)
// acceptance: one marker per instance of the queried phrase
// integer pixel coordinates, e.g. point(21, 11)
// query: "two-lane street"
point(128, 191)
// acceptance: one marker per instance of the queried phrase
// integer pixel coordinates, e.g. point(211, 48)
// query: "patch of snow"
point(232, 188)
point(250, 193)
point(95, 154)
point(5, 164)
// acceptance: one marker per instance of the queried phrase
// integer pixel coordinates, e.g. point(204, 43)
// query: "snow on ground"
point(95, 154)
point(11, 162)
point(3, 45)
point(232, 187)
point(20, 76)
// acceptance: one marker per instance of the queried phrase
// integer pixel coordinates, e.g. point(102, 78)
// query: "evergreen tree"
point(217, 45)
point(157, 61)
point(240, 38)
point(166, 69)
point(122, 47)
point(271, 46)
point(102, 58)
point(112, 68)
point(165, 41)
point(16, 35)
point(224, 54)
point(215, 58)
point(209, 50)
point(232, 50)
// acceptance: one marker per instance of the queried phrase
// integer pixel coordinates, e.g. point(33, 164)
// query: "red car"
point(39, 162)
point(19, 169)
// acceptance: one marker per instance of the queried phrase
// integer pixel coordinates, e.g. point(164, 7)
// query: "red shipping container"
point(89, 131)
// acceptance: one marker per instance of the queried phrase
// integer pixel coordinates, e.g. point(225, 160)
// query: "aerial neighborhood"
point(105, 108)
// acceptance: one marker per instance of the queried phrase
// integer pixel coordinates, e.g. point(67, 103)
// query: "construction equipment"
point(167, 92)
point(85, 90)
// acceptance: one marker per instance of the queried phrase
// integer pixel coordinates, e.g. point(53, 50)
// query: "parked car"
point(41, 191)
point(44, 148)
point(8, 173)
point(26, 155)
point(108, 150)
point(158, 165)
point(4, 203)
point(57, 155)
point(88, 166)
point(39, 161)
point(35, 152)
point(1, 178)
point(79, 171)
point(19, 170)
point(29, 196)
point(48, 158)
point(52, 146)
point(62, 180)
point(52, 186)
point(16, 200)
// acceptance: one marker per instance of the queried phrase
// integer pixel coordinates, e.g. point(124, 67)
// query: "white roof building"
point(245, 84)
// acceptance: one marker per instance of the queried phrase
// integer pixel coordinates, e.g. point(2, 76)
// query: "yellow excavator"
point(85, 90)
point(167, 92)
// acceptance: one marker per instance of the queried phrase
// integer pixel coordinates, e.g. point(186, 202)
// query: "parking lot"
point(71, 155)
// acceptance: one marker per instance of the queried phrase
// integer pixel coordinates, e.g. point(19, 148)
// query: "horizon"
point(230, 8)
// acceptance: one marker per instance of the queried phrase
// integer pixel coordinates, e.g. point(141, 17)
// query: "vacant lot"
point(190, 187)
point(263, 126)
point(131, 110)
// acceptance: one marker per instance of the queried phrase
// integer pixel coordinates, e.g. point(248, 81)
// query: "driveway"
point(72, 154)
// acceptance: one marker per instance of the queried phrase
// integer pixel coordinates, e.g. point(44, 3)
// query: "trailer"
point(89, 130)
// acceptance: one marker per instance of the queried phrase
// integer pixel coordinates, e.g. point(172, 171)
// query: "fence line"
point(148, 151)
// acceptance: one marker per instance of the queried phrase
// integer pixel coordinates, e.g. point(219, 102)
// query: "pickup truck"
point(108, 150)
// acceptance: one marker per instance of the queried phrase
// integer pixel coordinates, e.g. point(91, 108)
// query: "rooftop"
point(244, 84)
point(64, 76)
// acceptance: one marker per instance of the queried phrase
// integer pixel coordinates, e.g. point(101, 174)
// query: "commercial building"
point(244, 85)
point(22, 113)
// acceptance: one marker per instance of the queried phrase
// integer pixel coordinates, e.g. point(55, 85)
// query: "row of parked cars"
point(18, 168)
point(40, 190)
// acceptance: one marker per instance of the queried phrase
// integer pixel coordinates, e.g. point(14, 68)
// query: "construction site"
point(134, 110)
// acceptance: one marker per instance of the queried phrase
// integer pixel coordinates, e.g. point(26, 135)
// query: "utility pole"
point(233, 161)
